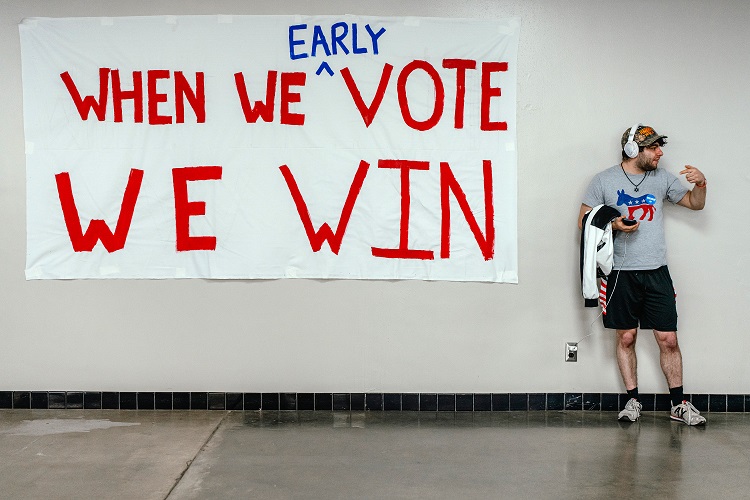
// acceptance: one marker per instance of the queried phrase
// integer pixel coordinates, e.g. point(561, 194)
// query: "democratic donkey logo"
point(645, 203)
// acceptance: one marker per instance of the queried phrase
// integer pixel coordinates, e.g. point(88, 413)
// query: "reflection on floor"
point(218, 454)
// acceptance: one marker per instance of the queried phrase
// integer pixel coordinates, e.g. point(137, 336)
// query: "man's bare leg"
point(626, 359)
point(627, 363)
point(670, 357)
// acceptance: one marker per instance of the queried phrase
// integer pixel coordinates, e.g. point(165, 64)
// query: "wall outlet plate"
point(571, 351)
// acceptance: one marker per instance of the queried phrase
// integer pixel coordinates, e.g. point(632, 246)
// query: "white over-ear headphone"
point(631, 147)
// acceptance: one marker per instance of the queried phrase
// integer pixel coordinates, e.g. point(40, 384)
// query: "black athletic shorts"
point(640, 298)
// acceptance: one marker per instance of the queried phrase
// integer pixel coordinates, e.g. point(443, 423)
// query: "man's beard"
point(645, 165)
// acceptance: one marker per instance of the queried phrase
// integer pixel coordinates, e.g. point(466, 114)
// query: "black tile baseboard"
point(390, 401)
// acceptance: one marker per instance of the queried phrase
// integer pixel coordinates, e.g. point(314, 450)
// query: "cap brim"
point(652, 140)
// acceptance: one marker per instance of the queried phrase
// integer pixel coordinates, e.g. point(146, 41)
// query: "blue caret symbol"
point(326, 67)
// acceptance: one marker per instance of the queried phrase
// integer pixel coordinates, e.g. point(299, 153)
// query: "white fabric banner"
point(236, 147)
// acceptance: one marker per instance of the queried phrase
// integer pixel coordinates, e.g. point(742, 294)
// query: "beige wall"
point(587, 70)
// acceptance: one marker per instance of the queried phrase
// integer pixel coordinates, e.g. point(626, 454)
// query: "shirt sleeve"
point(675, 190)
point(594, 194)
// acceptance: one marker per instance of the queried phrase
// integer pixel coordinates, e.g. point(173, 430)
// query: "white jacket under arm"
point(597, 249)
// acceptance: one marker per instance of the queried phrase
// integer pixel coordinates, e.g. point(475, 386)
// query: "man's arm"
point(696, 198)
point(617, 224)
point(584, 208)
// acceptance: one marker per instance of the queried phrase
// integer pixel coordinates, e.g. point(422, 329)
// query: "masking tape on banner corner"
point(513, 26)
point(108, 270)
point(292, 272)
point(34, 273)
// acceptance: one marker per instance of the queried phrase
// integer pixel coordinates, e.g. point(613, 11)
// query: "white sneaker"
point(632, 411)
point(687, 413)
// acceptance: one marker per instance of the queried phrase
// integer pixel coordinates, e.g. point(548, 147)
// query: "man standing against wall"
point(639, 291)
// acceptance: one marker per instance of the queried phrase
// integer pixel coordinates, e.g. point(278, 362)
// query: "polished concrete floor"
point(82, 454)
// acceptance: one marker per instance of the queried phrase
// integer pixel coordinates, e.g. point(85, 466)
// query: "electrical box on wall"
point(571, 351)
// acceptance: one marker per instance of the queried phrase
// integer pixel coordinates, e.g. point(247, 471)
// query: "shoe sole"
point(626, 419)
point(676, 419)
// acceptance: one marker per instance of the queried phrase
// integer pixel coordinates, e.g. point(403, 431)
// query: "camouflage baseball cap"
point(644, 136)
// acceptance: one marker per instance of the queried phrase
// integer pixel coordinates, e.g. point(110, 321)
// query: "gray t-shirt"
point(645, 248)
